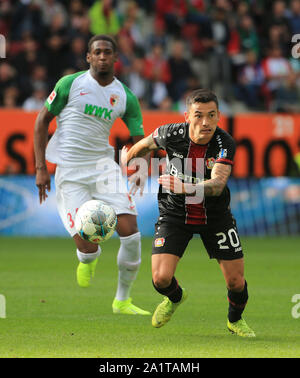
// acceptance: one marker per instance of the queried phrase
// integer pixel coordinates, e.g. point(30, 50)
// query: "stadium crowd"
point(240, 49)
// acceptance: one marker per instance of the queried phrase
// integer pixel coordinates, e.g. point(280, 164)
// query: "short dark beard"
point(102, 76)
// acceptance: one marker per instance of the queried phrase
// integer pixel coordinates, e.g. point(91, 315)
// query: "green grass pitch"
point(48, 315)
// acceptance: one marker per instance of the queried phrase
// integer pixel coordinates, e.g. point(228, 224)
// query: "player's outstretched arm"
point(139, 149)
point(40, 142)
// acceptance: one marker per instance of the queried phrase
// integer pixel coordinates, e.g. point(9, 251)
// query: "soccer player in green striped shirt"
point(85, 105)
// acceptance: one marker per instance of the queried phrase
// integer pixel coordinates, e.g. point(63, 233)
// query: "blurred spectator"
point(225, 5)
point(277, 69)
point(287, 97)
point(234, 43)
point(56, 58)
point(250, 80)
point(158, 93)
point(46, 39)
point(80, 27)
point(133, 26)
point(157, 71)
point(196, 14)
point(278, 17)
point(39, 76)
point(180, 105)
point(166, 105)
point(50, 9)
point(234, 48)
point(147, 5)
point(8, 78)
point(248, 36)
point(6, 10)
point(56, 26)
point(294, 17)
point(136, 81)
point(36, 101)
point(10, 97)
point(28, 57)
point(276, 38)
point(173, 13)
point(77, 7)
point(26, 18)
point(242, 9)
point(26, 83)
point(156, 66)
point(104, 18)
point(126, 56)
point(295, 65)
point(180, 70)
point(158, 35)
point(218, 57)
point(77, 56)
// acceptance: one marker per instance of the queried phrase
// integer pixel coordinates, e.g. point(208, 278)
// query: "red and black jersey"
point(192, 163)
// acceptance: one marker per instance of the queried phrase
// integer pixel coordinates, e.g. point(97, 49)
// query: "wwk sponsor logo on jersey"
point(98, 111)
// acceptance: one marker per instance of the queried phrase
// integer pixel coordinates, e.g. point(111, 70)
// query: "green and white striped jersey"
point(85, 112)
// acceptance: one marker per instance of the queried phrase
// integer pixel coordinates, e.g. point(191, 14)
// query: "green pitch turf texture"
point(48, 315)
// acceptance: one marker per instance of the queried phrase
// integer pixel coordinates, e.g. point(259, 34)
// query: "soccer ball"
point(95, 221)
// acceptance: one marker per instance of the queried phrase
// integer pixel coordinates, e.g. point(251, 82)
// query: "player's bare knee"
point(161, 280)
point(236, 283)
point(127, 225)
point(85, 246)
point(88, 248)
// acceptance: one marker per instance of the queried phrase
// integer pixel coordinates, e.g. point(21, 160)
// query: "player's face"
point(102, 57)
point(203, 119)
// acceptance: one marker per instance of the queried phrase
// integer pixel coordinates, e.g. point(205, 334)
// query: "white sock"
point(129, 260)
point(87, 258)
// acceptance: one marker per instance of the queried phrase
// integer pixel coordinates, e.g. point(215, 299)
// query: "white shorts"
point(103, 181)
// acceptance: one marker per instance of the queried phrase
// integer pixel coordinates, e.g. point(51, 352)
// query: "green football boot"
point(165, 310)
point(240, 328)
point(85, 272)
point(127, 308)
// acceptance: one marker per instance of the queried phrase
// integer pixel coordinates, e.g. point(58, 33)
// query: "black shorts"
point(221, 240)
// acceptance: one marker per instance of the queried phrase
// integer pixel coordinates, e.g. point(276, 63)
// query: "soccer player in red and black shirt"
point(194, 199)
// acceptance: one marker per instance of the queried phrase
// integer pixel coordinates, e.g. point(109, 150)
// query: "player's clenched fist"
point(175, 185)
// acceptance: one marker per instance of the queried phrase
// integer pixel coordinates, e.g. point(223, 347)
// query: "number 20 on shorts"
point(232, 237)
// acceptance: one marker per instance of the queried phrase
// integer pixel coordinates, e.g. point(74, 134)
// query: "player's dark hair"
point(102, 37)
point(201, 95)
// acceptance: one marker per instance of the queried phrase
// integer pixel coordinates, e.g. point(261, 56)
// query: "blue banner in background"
point(269, 206)
point(21, 213)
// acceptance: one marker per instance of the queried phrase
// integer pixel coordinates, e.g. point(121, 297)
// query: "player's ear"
point(186, 117)
point(88, 57)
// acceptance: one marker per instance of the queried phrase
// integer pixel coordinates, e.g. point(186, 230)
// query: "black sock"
point(173, 291)
point(237, 303)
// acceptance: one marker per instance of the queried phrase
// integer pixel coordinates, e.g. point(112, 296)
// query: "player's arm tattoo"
point(141, 148)
point(219, 176)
